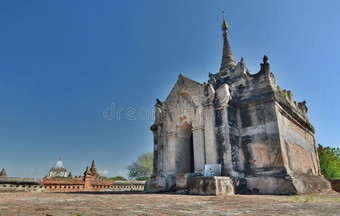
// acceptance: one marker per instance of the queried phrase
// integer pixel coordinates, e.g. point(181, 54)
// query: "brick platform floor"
point(165, 204)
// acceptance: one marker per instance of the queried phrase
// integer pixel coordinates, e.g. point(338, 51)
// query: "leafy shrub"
point(141, 169)
point(329, 162)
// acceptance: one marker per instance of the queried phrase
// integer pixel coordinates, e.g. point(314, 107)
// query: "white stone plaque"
point(212, 170)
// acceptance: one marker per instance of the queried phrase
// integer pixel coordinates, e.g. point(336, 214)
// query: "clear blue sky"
point(63, 62)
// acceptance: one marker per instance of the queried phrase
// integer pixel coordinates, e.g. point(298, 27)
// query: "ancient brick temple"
point(91, 181)
point(244, 123)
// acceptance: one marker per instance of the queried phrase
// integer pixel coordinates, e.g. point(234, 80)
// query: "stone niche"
point(259, 135)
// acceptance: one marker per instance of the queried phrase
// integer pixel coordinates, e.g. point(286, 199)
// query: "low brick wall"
point(11, 184)
point(127, 186)
point(64, 185)
point(101, 185)
point(74, 185)
point(78, 184)
point(21, 188)
point(15, 184)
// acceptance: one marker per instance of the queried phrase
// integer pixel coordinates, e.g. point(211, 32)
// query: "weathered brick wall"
point(128, 186)
point(260, 141)
point(74, 185)
point(78, 184)
point(299, 144)
point(21, 188)
point(16, 184)
point(63, 185)
point(335, 185)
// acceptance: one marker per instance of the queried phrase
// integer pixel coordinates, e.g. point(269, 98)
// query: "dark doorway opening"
point(185, 150)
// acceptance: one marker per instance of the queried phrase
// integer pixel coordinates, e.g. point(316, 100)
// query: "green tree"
point(141, 169)
point(116, 178)
point(329, 162)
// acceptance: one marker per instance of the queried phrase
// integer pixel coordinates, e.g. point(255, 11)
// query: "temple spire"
point(224, 24)
point(94, 168)
point(228, 60)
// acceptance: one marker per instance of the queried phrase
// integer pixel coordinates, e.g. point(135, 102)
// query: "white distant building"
point(58, 170)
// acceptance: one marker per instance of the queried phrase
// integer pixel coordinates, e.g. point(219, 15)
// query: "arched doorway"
point(185, 149)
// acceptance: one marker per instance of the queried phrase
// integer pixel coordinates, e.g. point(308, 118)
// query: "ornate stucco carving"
point(222, 95)
point(184, 103)
point(209, 93)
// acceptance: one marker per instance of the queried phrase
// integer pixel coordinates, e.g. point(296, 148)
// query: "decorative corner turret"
point(303, 108)
point(300, 108)
point(87, 177)
point(241, 68)
point(87, 172)
point(154, 128)
point(158, 115)
point(3, 173)
point(69, 175)
point(265, 66)
point(209, 93)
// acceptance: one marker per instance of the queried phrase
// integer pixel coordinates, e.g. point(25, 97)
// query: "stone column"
point(155, 153)
point(209, 134)
point(154, 129)
point(170, 153)
point(160, 148)
point(222, 129)
point(223, 143)
point(199, 149)
point(228, 166)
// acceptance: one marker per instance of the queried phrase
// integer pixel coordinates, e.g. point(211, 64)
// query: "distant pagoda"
point(58, 171)
point(94, 169)
point(3, 173)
